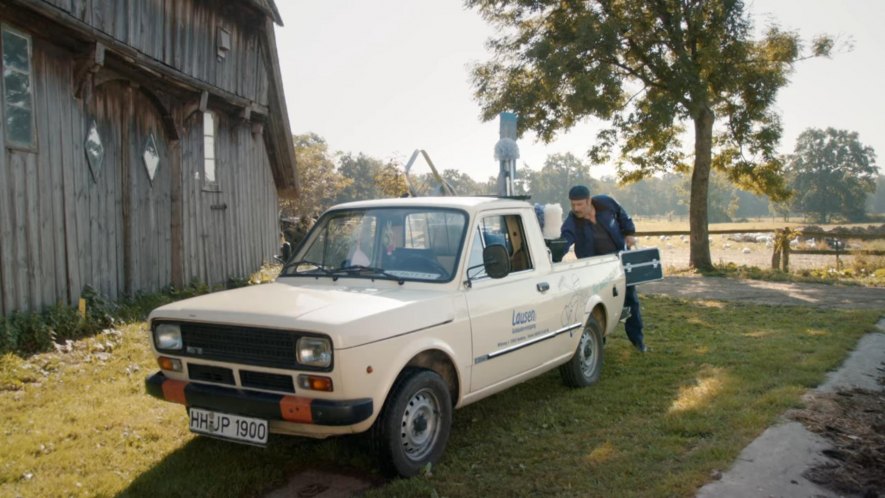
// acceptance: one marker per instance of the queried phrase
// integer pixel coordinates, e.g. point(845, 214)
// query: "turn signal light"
point(315, 383)
point(172, 364)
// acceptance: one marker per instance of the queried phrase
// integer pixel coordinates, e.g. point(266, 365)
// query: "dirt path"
point(773, 293)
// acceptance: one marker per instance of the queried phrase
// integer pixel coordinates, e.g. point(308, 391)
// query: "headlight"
point(314, 351)
point(168, 336)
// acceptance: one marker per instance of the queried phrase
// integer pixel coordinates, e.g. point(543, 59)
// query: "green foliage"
point(865, 271)
point(464, 184)
point(648, 68)
point(666, 194)
point(390, 181)
point(369, 178)
point(877, 204)
point(832, 173)
point(560, 172)
point(320, 183)
point(714, 380)
point(33, 332)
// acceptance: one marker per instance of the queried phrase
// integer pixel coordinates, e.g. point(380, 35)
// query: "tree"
point(319, 181)
point(878, 203)
point(722, 198)
point(390, 181)
point(833, 173)
point(559, 174)
point(462, 183)
point(647, 67)
point(362, 171)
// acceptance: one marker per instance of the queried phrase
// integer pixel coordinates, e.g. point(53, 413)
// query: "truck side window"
point(506, 230)
point(475, 257)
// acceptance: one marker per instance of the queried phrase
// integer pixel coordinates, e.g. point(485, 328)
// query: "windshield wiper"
point(319, 266)
point(373, 271)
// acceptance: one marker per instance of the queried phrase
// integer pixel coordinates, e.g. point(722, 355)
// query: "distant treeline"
point(328, 178)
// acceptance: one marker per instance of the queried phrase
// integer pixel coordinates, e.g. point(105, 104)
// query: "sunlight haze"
point(387, 77)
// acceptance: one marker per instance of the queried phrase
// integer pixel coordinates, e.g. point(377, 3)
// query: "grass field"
point(77, 422)
point(663, 224)
point(744, 259)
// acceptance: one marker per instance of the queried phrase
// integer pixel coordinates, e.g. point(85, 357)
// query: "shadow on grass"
point(210, 467)
point(656, 425)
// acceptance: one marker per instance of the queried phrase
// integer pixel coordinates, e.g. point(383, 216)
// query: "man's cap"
point(578, 192)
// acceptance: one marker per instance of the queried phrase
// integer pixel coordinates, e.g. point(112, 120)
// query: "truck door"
point(509, 316)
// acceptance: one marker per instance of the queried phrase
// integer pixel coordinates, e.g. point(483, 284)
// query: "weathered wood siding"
point(61, 230)
point(182, 34)
point(232, 231)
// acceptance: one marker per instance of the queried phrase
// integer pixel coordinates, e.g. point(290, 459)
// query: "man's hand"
point(630, 241)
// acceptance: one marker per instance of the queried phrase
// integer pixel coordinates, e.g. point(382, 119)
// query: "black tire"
point(585, 366)
point(413, 428)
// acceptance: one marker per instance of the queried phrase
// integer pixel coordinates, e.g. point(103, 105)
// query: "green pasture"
point(76, 422)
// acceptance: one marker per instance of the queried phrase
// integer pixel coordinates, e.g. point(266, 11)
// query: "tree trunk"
point(700, 181)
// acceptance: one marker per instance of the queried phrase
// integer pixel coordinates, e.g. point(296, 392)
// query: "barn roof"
point(281, 150)
point(268, 8)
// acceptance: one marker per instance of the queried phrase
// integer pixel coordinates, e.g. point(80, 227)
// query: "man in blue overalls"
point(599, 225)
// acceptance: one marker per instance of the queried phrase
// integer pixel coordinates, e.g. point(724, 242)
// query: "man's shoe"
point(641, 347)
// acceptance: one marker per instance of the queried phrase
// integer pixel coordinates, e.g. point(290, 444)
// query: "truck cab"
point(390, 315)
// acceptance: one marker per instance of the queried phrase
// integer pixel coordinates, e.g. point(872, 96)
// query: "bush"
point(26, 332)
point(864, 263)
point(33, 332)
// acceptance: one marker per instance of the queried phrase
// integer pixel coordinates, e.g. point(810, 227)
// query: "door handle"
point(543, 287)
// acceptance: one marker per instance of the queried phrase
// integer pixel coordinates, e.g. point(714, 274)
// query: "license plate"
point(234, 427)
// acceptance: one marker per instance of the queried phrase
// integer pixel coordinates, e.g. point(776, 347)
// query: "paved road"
point(774, 293)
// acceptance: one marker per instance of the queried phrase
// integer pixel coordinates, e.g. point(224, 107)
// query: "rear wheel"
point(586, 365)
point(413, 428)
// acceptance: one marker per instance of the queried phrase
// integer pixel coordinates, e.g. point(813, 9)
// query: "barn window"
point(151, 157)
point(209, 179)
point(17, 93)
point(223, 36)
point(94, 151)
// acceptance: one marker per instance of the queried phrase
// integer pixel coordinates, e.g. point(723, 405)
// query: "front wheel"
point(413, 428)
point(585, 366)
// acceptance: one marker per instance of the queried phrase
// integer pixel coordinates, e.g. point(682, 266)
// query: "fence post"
point(780, 258)
point(786, 256)
point(776, 253)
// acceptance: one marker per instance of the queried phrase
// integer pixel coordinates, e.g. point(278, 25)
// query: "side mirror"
point(285, 253)
point(496, 261)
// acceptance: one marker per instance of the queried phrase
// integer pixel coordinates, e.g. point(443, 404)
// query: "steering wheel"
point(422, 264)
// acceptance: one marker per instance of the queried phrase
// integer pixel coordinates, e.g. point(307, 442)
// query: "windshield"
point(389, 243)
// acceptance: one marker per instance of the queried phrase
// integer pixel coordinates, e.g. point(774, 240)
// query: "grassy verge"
point(26, 333)
point(78, 422)
point(829, 276)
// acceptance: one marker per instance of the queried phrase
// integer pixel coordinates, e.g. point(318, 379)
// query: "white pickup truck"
point(391, 314)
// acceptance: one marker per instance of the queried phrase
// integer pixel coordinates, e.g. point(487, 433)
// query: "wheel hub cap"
point(420, 425)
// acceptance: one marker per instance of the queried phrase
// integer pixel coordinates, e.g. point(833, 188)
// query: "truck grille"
point(269, 381)
point(247, 345)
point(209, 373)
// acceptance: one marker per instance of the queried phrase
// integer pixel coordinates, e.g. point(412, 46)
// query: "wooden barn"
point(144, 144)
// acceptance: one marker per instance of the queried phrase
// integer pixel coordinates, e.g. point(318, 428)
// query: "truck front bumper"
point(259, 404)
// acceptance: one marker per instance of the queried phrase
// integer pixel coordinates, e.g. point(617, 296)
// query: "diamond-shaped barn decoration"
point(94, 151)
point(151, 158)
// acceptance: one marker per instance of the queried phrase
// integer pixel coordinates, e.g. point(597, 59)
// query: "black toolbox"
point(642, 265)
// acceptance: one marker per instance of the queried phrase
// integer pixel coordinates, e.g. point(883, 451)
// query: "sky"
point(386, 77)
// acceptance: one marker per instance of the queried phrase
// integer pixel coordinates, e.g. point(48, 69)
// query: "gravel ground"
point(772, 293)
